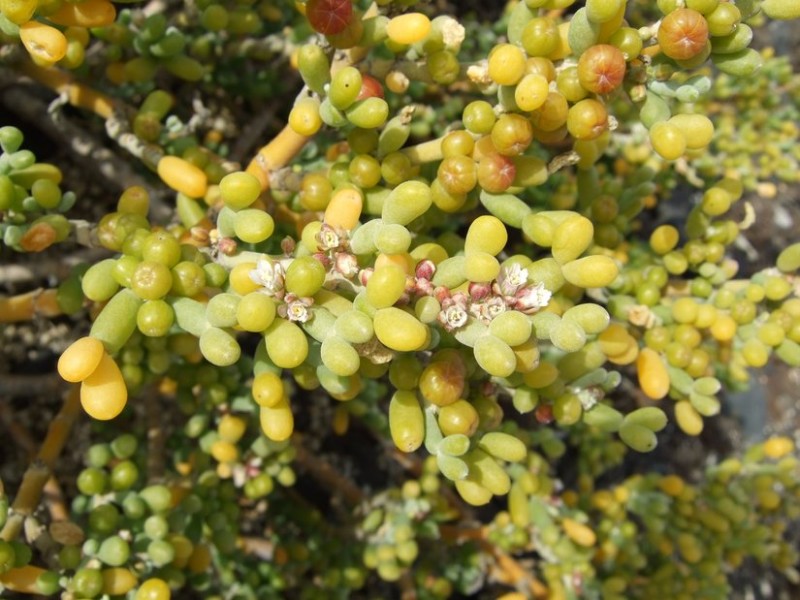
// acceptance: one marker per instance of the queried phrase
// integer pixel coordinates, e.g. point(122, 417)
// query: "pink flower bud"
point(288, 245)
point(365, 274)
point(425, 269)
point(423, 287)
point(346, 264)
point(442, 294)
point(323, 258)
point(479, 291)
point(461, 299)
point(227, 246)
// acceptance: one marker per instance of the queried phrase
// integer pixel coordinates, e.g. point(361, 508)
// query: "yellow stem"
point(53, 496)
point(285, 146)
point(510, 572)
point(54, 499)
point(77, 94)
point(22, 580)
point(515, 573)
point(38, 473)
point(24, 307)
point(276, 154)
point(27, 499)
point(652, 51)
point(60, 428)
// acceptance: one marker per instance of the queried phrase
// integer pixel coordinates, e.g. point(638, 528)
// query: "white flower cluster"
point(269, 275)
point(510, 291)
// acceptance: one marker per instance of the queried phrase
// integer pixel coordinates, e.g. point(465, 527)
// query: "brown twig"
point(155, 436)
point(45, 267)
point(84, 147)
point(18, 432)
point(60, 428)
point(247, 139)
point(326, 474)
point(13, 386)
point(408, 591)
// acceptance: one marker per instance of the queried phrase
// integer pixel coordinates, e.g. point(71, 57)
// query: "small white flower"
point(453, 317)
point(269, 275)
point(296, 309)
point(328, 238)
point(531, 298)
point(486, 311)
point(239, 475)
point(494, 307)
point(511, 278)
point(588, 397)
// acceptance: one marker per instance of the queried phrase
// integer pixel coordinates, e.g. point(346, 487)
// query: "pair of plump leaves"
point(450, 451)
point(447, 450)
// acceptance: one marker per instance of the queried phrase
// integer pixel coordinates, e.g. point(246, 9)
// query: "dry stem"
point(54, 498)
point(35, 478)
point(88, 151)
point(276, 154)
point(22, 580)
point(155, 436)
point(24, 307)
point(14, 386)
point(326, 474)
point(76, 93)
